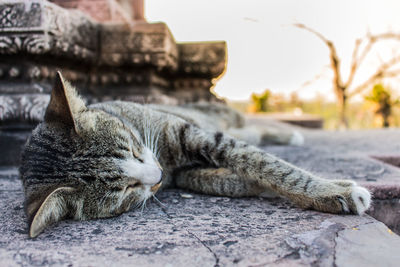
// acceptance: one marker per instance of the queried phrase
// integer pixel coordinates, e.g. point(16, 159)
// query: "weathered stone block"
point(143, 44)
point(204, 59)
point(42, 28)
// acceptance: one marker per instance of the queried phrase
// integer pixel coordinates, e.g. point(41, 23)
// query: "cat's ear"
point(53, 209)
point(64, 104)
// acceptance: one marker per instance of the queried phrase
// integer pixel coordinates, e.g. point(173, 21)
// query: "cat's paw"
point(341, 197)
point(361, 198)
point(355, 199)
point(358, 198)
point(297, 139)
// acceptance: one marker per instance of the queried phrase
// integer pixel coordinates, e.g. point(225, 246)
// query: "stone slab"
point(138, 45)
point(349, 155)
point(196, 230)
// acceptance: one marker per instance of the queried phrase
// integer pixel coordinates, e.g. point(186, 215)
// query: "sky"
point(265, 50)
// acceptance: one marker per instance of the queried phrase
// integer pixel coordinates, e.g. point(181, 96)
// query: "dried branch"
point(354, 62)
point(382, 72)
point(342, 89)
point(357, 60)
point(371, 40)
point(335, 62)
point(386, 35)
point(315, 78)
point(319, 35)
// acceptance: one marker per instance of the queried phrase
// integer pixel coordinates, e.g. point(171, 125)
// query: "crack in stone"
point(358, 225)
point(337, 236)
point(207, 247)
point(334, 247)
point(193, 235)
point(317, 249)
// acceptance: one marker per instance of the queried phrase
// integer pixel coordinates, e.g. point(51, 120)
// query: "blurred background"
point(276, 65)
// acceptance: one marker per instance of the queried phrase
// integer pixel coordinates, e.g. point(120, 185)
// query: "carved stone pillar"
point(139, 62)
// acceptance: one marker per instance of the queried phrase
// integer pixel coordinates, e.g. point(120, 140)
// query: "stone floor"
point(199, 230)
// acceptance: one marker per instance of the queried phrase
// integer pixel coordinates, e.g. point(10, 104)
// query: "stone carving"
point(14, 15)
point(39, 27)
point(33, 44)
point(22, 107)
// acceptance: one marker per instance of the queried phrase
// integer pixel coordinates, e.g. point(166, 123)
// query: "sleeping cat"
point(87, 162)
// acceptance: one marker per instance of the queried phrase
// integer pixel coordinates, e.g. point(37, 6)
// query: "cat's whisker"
point(152, 137)
point(158, 201)
point(137, 205)
point(143, 206)
point(156, 141)
point(145, 125)
point(146, 132)
point(157, 154)
point(156, 132)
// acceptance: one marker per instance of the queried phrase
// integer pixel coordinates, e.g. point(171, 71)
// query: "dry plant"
point(344, 88)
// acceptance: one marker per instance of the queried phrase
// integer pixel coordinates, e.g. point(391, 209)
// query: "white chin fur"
point(297, 139)
point(361, 198)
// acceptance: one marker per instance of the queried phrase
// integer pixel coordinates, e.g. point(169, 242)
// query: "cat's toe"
point(343, 202)
point(361, 199)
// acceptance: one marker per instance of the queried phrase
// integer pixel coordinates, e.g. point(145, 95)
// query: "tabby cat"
point(87, 162)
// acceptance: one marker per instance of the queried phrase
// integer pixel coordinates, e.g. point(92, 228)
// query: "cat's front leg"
point(249, 162)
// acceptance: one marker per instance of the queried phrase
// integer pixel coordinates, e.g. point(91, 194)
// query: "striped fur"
point(101, 160)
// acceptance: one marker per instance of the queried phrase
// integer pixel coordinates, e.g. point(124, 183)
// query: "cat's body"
point(158, 122)
point(99, 161)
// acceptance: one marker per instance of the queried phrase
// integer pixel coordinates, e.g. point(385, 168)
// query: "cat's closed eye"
point(136, 155)
point(133, 185)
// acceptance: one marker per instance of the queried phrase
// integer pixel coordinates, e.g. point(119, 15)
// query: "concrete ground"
point(199, 230)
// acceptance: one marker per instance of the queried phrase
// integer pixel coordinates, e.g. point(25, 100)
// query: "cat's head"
point(83, 163)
